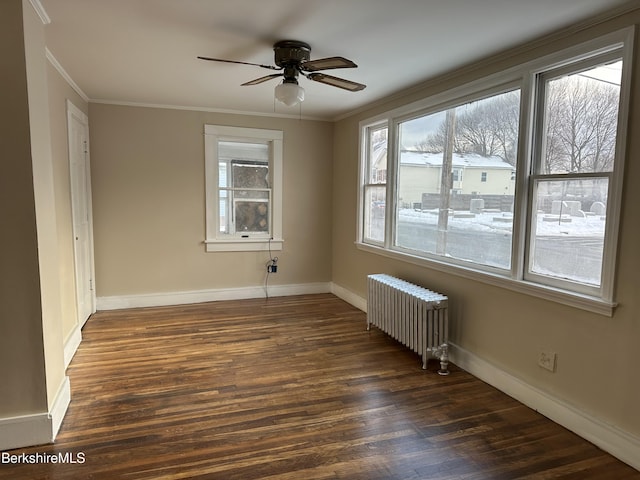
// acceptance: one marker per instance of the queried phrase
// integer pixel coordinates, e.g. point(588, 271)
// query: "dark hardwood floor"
point(289, 388)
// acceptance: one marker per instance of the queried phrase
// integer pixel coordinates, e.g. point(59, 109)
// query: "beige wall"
point(149, 212)
point(59, 93)
point(598, 356)
point(43, 188)
point(31, 346)
point(23, 382)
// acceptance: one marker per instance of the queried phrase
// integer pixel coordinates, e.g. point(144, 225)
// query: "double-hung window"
point(572, 182)
point(375, 184)
point(514, 179)
point(243, 168)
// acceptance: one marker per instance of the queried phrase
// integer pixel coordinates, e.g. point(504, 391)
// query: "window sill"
point(572, 299)
point(243, 245)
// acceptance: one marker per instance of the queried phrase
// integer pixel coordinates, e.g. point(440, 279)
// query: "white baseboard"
point(349, 297)
point(609, 438)
point(200, 296)
point(59, 407)
point(71, 345)
point(37, 428)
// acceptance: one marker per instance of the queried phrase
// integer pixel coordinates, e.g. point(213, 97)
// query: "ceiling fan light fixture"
point(289, 93)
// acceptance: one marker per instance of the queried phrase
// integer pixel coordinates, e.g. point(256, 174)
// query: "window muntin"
point(455, 186)
point(243, 168)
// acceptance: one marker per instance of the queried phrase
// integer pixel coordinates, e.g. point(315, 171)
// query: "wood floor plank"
point(289, 388)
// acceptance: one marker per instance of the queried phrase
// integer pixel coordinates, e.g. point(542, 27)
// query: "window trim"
point(521, 76)
point(214, 242)
point(363, 175)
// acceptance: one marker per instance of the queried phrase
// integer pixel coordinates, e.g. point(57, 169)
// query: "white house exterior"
point(472, 174)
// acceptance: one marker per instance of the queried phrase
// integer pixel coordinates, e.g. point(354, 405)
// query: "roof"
point(465, 160)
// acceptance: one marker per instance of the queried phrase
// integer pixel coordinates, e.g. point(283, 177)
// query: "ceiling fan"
point(292, 58)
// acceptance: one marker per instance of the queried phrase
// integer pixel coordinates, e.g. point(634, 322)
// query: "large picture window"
point(244, 188)
point(456, 181)
point(514, 180)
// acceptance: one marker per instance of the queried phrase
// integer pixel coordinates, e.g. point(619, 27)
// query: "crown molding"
point(208, 110)
point(42, 13)
point(54, 62)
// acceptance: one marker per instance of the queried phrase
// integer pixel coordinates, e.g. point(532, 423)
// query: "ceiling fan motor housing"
point(291, 52)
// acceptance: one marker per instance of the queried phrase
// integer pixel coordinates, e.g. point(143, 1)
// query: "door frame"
point(74, 113)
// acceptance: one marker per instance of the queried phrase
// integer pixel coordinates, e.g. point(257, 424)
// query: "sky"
point(415, 130)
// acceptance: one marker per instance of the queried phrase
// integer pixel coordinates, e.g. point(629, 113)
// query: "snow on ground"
point(498, 222)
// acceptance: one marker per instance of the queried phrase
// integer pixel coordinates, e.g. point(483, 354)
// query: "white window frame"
point(256, 241)
point(524, 76)
point(365, 180)
point(614, 178)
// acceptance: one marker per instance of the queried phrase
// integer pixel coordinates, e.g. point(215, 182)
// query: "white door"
point(80, 178)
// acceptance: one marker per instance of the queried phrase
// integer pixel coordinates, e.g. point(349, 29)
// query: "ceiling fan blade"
point(336, 82)
point(327, 64)
point(270, 67)
point(261, 79)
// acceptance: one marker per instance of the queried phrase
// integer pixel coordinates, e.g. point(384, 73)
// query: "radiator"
point(413, 315)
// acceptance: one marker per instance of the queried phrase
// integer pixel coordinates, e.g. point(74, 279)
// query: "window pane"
point(224, 209)
point(223, 175)
point(581, 118)
point(456, 181)
point(250, 211)
point(250, 174)
point(568, 229)
point(243, 173)
point(377, 150)
point(243, 164)
point(252, 216)
point(243, 151)
point(374, 213)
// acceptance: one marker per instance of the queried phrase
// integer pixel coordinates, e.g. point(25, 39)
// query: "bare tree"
point(581, 122)
point(580, 125)
point(475, 132)
point(434, 142)
point(503, 118)
point(488, 127)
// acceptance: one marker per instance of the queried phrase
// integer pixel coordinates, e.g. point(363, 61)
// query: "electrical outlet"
point(272, 265)
point(547, 360)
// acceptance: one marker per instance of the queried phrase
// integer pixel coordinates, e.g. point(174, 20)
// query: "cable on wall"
point(272, 267)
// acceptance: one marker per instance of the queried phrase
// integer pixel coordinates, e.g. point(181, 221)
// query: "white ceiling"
point(144, 51)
